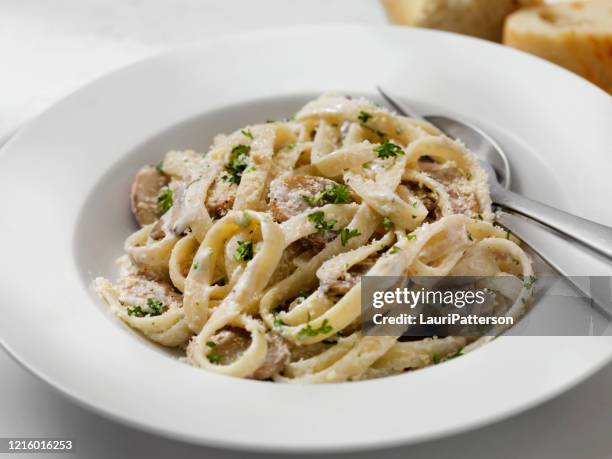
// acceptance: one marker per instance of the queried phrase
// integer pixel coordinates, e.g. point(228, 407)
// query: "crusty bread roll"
point(479, 18)
point(577, 36)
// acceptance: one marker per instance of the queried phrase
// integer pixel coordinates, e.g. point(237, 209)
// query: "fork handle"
point(594, 235)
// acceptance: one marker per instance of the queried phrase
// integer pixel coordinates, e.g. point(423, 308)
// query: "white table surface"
point(48, 49)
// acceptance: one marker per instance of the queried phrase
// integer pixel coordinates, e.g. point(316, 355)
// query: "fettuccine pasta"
point(249, 256)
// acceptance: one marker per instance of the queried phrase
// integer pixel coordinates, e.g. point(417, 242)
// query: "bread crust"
point(577, 36)
point(478, 18)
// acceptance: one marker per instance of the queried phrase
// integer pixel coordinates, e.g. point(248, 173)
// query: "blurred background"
point(50, 49)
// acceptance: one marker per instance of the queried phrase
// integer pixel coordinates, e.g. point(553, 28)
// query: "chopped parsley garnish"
point(241, 149)
point(136, 311)
point(387, 224)
point(318, 220)
point(529, 282)
point(347, 234)
point(508, 235)
point(394, 249)
point(160, 167)
point(291, 146)
point(155, 308)
point(164, 199)
point(411, 237)
point(196, 265)
point(278, 322)
point(214, 358)
point(211, 344)
point(237, 164)
point(364, 116)
point(309, 331)
point(335, 194)
point(248, 134)
point(244, 252)
point(437, 359)
point(387, 149)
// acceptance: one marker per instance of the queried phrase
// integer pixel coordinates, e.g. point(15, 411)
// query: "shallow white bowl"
point(65, 178)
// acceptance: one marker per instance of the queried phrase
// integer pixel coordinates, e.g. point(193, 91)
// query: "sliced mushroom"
point(276, 357)
point(289, 195)
point(425, 195)
point(341, 286)
point(145, 190)
point(462, 197)
point(137, 290)
point(220, 198)
point(230, 343)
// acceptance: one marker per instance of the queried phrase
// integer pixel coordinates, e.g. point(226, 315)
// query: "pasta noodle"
point(251, 262)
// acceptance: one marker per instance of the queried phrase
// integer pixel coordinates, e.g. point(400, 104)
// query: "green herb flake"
point(364, 116)
point(394, 249)
point(335, 194)
point(214, 358)
point(323, 329)
point(480, 217)
point(318, 220)
point(470, 236)
point(529, 282)
point(136, 311)
point(211, 344)
point(165, 199)
point(508, 235)
point(159, 167)
point(387, 149)
point(437, 359)
point(196, 265)
point(347, 234)
point(411, 237)
point(156, 307)
point(387, 224)
point(237, 164)
point(244, 252)
point(279, 323)
point(248, 134)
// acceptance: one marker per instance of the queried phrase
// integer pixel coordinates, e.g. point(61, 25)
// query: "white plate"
point(64, 182)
